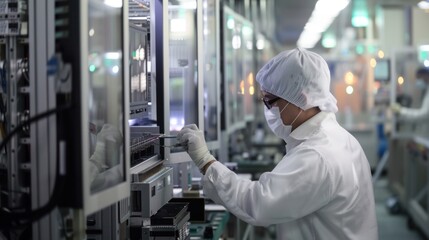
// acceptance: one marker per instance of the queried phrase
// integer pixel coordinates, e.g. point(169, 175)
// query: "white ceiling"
point(292, 15)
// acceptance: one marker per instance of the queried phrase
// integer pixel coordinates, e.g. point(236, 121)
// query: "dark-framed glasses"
point(269, 102)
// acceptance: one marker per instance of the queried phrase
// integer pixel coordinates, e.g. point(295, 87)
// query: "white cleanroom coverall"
point(418, 115)
point(321, 189)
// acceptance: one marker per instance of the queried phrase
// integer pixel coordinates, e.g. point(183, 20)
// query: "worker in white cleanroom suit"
point(420, 114)
point(322, 187)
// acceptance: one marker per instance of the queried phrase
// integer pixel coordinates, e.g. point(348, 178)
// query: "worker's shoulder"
point(308, 152)
point(330, 147)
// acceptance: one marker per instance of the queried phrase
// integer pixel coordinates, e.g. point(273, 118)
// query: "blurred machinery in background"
point(407, 163)
point(238, 89)
point(417, 156)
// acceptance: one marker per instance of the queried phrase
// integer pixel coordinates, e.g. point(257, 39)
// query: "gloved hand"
point(396, 108)
point(193, 140)
point(105, 155)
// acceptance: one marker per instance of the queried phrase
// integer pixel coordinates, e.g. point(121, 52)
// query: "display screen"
point(106, 94)
point(138, 65)
point(382, 70)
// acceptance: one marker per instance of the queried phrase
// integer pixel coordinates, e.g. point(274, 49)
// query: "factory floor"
point(390, 226)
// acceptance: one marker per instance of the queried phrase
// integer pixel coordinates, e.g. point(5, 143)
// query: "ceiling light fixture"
point(113, 3)
point(321, 18)
point(423, 5)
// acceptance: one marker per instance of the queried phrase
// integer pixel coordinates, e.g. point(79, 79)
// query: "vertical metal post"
point(393, 90)
point(200, 65)
point(52, 104)
point(42, 98)
point(218, 73)
point(13, 165)
point(160, 64)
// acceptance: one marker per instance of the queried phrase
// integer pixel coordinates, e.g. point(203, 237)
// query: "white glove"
point(193, 140)
point(396, 108)
point(108, 139)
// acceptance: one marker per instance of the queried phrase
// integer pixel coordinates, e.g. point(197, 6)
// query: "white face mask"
point(275, 122)
point(421, 84)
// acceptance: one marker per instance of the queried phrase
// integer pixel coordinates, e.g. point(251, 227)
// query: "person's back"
point(350, 213)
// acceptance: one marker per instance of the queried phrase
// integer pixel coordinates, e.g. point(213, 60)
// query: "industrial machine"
point(93, 93)
point(151, 183)
point(64, 115)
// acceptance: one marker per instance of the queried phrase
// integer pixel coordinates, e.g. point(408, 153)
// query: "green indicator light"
point(329, 41)
point(92, 68)
point(360, 15)
point(372, 49)
point(423, 55)
point(360, 49)
point(360, 21)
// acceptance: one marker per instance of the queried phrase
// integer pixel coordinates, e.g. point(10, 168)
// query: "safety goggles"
point(269, 102)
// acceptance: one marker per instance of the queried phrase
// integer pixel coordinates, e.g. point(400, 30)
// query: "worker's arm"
point(416, 114)
point(295, 188)
point(204, 169)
